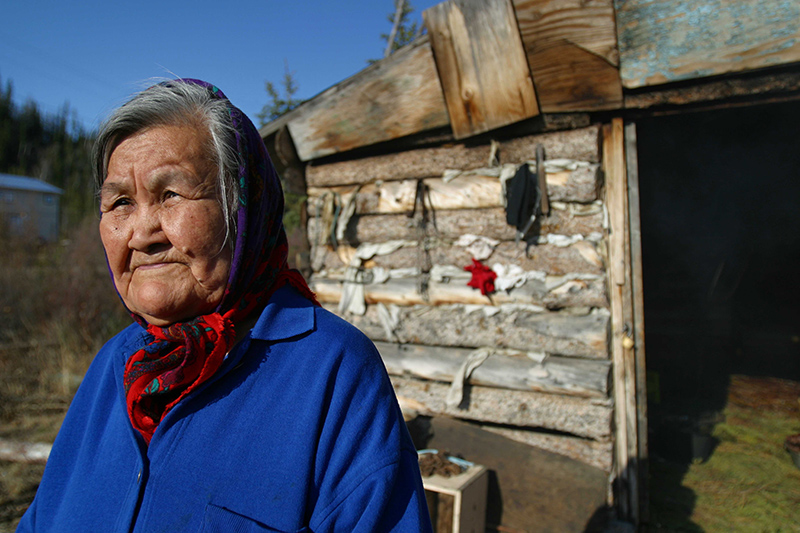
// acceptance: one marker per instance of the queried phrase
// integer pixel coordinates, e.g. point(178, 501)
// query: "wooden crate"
point(457, 504)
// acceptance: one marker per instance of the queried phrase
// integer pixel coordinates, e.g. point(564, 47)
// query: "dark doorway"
point(721, 254)
point(721, 249)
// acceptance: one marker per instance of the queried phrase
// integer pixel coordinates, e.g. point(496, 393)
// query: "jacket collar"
point(288, 314)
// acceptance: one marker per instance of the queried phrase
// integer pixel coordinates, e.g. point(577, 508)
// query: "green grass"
point(748, 484)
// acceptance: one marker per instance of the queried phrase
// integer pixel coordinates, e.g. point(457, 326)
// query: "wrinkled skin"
point(162, 225)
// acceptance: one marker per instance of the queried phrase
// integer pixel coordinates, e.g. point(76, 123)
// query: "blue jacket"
point(298, 431)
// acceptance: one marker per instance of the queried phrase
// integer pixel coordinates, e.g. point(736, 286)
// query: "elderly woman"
point(234, 402)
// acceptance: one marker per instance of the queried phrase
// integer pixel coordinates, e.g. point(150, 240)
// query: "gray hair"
point(178, 104)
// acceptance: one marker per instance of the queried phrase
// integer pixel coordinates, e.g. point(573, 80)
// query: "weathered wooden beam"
point(564, 219)
point(596, 453)
point(561, 375)
point(578, 144)
point(636, 314)
point(582, 145)
point(578, 416)
point(581, 257)
point(613, 165)
point(403, 291)
point(625, 415)
point(394, 97)
point(753, 87)
point(561, 333)
point(24, 452)
point(481, 64)
point(572, 52)
point(464, 192)
point(419, 163)
point(663, 42)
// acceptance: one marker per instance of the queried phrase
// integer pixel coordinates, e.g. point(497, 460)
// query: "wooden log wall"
point(570, 334)
point(546, 380)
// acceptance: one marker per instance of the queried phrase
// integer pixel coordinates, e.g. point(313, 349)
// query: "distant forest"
point(56, 148)
point(52, 147)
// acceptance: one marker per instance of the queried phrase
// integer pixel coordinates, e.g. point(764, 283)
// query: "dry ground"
point(748, 484)
point(30, 411)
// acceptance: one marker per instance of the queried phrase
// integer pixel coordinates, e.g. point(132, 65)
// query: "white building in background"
point(29, 207)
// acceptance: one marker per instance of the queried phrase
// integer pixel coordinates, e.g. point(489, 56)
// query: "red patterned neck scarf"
point(180, 357)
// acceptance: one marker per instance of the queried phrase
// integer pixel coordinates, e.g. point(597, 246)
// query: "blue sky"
point(94, 54)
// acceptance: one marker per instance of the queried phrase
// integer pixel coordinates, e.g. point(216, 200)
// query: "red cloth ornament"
point(482, 277)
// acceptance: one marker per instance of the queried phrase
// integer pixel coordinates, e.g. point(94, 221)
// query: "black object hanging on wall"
point(526, 196)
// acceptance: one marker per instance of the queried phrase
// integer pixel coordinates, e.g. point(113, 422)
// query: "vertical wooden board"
point(393, 98)
point(444, 513)
point(637, 290)
point(614, 165)
point(628, 354)
point(674, 40)
point(572, 52)
point(481, 64)
point(622, 321)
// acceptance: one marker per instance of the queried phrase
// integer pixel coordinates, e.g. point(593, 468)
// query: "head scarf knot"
point(180, 357)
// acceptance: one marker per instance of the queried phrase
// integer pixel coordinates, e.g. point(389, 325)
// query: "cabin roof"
point(23, 183)
point(507, 62)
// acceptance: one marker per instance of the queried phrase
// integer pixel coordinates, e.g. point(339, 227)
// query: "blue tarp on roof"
point(21, 183)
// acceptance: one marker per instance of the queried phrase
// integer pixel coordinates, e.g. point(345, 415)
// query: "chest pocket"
point(220, 520)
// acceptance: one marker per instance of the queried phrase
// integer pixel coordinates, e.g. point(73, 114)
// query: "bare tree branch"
point(420, 29)
point(398, 16)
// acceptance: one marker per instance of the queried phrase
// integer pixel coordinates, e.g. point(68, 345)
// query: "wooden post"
point(625, 404)
point(637, 290)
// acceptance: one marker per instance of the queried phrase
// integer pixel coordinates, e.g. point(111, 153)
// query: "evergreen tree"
point(405, 31)
point(7, 112)
point(278, 104)
point(53, 148)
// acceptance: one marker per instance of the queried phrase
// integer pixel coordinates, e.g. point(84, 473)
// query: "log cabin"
point(657, 142)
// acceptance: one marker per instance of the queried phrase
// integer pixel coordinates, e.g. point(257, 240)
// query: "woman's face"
point(162, 225)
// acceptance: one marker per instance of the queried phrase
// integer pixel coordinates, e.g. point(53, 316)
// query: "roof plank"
point(392, 98)
point(481, 64)
point(663, 42)
point(24, 183)
point(571, 47)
